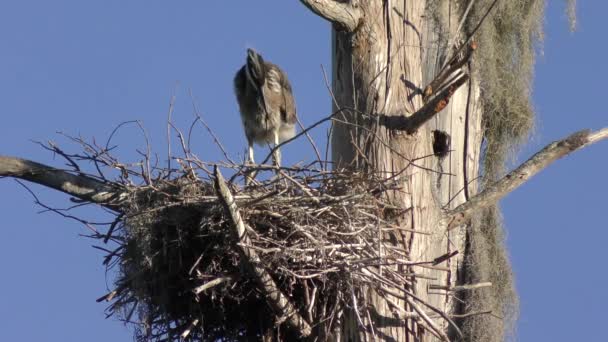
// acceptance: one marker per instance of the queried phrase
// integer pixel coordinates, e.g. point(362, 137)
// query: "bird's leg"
point(276, 156)
point(277, 152)
point(250, 175)
point(250, 150)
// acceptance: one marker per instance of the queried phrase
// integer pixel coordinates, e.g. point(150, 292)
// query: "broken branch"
point(412, 123)
point(345, 15)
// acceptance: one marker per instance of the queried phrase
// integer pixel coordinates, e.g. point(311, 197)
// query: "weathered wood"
point(382, 69)
point(345, 15)
point(80, 186)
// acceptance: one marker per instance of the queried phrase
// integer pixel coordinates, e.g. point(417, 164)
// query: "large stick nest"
point(316, 233)
point(293, 254)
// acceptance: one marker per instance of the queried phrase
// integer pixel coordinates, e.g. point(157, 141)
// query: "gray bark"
point(382, 68)
point(83, 187)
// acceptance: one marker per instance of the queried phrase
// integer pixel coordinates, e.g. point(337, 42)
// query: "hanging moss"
point(504, 67)
point(571, 12)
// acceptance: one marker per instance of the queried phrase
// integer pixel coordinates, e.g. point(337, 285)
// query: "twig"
point(461, 24)
point(305, 131)
point(438, 260)
point(428, 320)
point(169, 124)
point(210, 284)
point(109, 296)
point(473, 31)
point(336, 106)
point(187, 331)
point(459, 287)
point(311, 141)
point(112, 227)
point(209, 130)
point(475, 313)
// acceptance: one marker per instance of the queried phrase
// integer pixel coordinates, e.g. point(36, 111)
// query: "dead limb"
point(189, 329)
point(552, 152)
point(411, 123)
point(210, 284)
point(275, 297)
point(83, 187)
point(345, 15)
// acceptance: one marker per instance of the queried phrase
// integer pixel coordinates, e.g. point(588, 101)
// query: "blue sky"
point(84, 67)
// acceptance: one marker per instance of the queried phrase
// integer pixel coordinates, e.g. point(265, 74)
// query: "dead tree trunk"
point(383, 68)
point(402, 62)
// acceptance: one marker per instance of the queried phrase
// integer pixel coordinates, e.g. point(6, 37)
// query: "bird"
point(266, 103)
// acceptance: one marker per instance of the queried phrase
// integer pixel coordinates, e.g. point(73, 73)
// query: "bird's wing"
point(288, 104)
point(239, 85)
point(271, 90)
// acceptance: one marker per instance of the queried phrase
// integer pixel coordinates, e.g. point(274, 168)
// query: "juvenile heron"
point(266, 103)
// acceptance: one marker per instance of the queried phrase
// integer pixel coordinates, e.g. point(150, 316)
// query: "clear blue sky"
point(83, 67)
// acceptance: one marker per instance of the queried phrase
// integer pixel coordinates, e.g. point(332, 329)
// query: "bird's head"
point(255, 67)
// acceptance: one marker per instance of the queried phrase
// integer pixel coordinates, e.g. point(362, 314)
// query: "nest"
point(297, 253)
point(310, 242)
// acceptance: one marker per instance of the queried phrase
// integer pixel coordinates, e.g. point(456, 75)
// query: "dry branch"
point(459, 287)
point(522, 174)
point(210, 284)
point(187, 331)
point(345, 15)
point(276, 298)
point(83, 187)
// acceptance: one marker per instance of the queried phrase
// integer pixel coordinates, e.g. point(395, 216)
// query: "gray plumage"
point(266, 103)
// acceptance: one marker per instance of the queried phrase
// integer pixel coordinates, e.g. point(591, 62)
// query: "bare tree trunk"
point(383, 68)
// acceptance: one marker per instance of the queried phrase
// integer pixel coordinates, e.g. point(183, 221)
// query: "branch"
point(80, 186)
point(459, 287)
point(525, 171)
point(411, 123)
point(210, 284)
point(345, 15)
point(276, 298)
point(188, 330)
